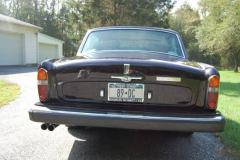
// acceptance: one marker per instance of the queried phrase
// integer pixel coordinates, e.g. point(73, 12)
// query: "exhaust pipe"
point(44, 126)
point(51, 127)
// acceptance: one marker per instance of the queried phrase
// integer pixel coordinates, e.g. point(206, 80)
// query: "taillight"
point(213, 91)
point(42, 84)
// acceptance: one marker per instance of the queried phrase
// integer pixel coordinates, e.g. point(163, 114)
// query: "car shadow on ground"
point(103, 143)
point(7, 70)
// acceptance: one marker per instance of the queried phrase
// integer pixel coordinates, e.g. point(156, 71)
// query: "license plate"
point(125, 92)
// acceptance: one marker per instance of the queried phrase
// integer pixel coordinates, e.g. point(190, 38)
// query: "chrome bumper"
point(127, 120)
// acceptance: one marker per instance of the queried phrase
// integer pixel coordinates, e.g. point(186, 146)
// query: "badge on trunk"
point(169, 79)
point(126, 78)
point(126, 68)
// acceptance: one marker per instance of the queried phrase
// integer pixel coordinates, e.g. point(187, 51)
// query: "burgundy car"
point(132, 78)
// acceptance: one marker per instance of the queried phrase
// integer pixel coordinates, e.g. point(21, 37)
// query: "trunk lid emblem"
point(126, 68)
point(126, 78)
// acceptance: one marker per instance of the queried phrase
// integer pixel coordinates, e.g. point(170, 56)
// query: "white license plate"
point(125, 92)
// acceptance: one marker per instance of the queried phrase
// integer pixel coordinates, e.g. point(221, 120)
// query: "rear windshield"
point(132, 40)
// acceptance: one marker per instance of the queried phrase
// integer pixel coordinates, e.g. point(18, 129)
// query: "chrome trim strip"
point(169, 79)
point(213, 90)
point(126, 78)
point(120, 77)
point(42, 82)
point(43, 110)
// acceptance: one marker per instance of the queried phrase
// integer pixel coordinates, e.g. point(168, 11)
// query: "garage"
point(11, 49)
point(47, 51)
point(22, 43)
point(49, 47)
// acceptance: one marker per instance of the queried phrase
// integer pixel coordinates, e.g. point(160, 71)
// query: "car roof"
point(133, 27)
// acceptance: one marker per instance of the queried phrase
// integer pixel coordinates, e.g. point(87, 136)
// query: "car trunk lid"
point(170, 83)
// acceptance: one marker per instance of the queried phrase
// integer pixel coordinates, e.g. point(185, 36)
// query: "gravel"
point(21, 138)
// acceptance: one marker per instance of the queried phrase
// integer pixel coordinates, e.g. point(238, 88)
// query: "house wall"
point(47, 51)
point(42, 38)
point(29, 40)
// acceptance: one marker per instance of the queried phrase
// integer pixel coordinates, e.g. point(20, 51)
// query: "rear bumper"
point(214, 123)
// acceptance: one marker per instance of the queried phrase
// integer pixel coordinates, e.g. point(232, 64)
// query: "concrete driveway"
point(21, 138)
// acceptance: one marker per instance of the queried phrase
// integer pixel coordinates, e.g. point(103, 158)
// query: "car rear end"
point(97, 96)
point(148, 90)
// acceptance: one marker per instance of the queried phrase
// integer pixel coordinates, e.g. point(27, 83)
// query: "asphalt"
point(21, 138)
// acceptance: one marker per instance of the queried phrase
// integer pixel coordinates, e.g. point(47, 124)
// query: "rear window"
point(140, 40)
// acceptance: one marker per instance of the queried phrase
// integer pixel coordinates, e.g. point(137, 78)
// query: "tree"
point(220, 30)
point(36, 12)
point(22, 10)
point(98, 13)
point(73, 27)
point(49, 19)
point(3, 8)
point(74, 17)
point(185, 21)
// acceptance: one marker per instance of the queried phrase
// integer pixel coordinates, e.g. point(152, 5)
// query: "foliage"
point(213, 38)
point(229, 105)
point(184, 21)
point(9, 92)
point(68, 20)
point(3, 8)
point(193, 52)
point(38, 12)
point(22, 10)
point(74, 27)
point(98, 13)
point(48, 20)
point(220, 29)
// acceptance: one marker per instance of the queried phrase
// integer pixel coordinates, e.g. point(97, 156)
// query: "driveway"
point(21, 138)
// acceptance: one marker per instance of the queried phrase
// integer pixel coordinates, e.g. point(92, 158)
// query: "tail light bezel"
point(44, 83)
point(212, 90)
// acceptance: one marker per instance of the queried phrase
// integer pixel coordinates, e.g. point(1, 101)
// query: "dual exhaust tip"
point(48, 126)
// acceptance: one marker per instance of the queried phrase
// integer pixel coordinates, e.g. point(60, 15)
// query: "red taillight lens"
point(212, 100)
point(42, 84)
point(43, 92)
point(213, 92)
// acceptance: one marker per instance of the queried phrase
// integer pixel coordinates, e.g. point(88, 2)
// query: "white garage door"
point(10, 49)
point(47, 51)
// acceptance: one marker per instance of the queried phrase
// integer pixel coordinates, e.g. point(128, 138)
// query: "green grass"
point(229, 106)
point(8, 92)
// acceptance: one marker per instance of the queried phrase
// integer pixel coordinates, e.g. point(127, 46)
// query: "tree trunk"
point(115, 13)
point(53, 9)
point(236, 62)
point(36, 13)
point(16, 16)
point(211, 59)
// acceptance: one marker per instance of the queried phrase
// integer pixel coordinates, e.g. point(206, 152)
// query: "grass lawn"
point(229, 106)
point(8, 92)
